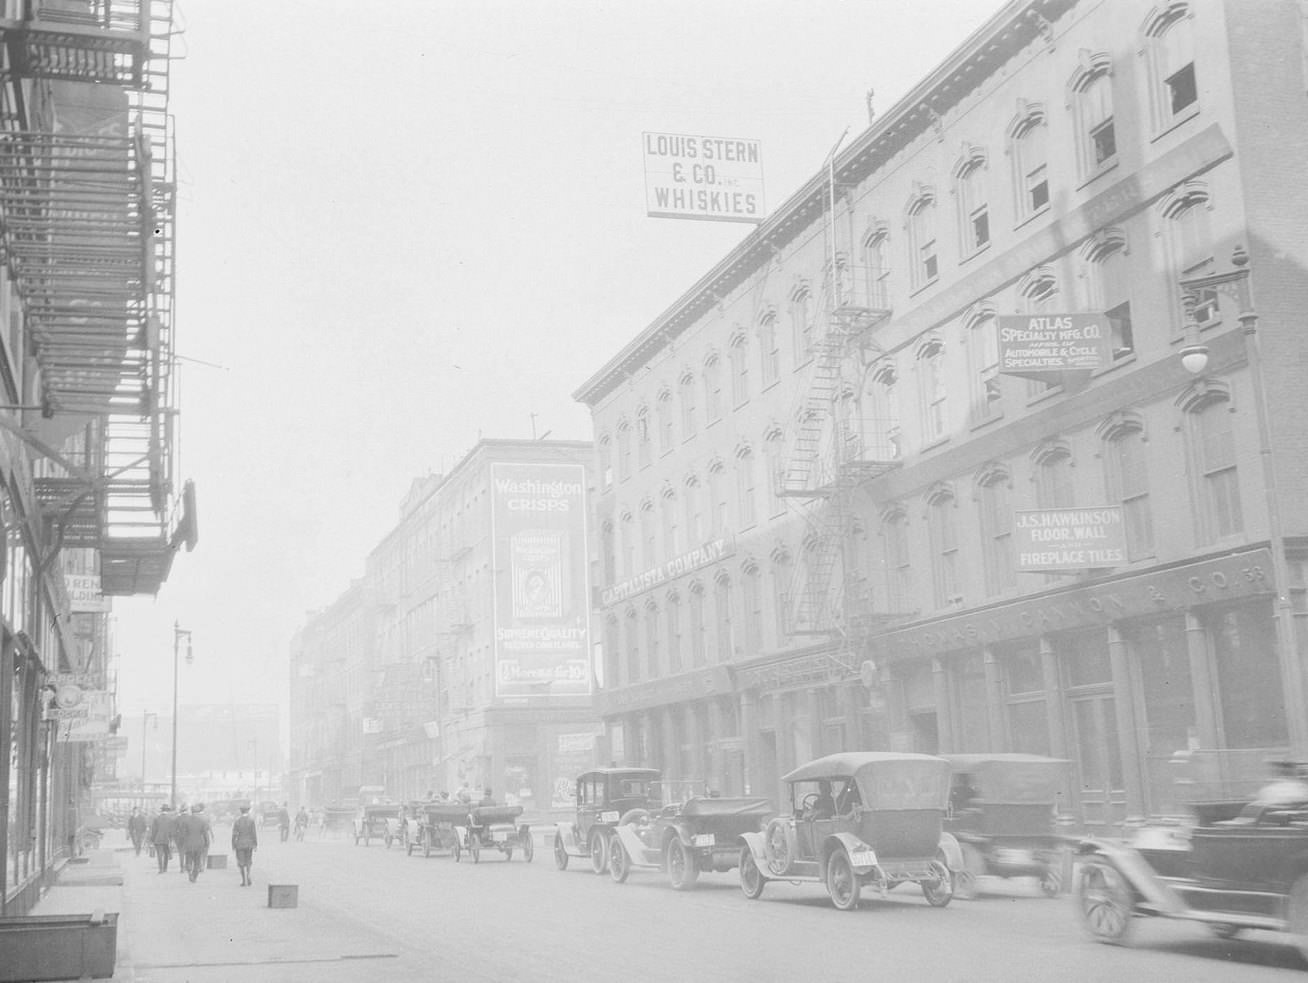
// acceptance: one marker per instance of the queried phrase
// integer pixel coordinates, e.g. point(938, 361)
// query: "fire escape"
point(87, 195)
point(834, 451)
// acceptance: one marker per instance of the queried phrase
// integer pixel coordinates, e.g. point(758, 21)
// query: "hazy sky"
point(405, 225)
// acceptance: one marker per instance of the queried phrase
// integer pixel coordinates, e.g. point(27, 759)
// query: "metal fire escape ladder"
point(86, 225)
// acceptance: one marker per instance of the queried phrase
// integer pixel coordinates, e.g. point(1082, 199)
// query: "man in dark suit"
point(136, 829)
point(195, 836)
point(161, 835)
point(245, 837)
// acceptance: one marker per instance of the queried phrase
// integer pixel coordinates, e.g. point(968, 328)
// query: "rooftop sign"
point(716, 179)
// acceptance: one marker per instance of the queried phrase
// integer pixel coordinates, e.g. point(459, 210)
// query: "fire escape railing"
point(86, 225)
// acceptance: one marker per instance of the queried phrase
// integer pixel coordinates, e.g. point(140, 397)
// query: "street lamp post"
point(145, 719)
point(178, 632)
point(1236, 285)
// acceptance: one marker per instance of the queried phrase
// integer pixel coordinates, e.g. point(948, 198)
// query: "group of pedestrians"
point(189, 834)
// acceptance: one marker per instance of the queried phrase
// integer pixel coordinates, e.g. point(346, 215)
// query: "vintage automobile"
point(439, 826)
point(492, 827)
point(376, 821)
point(1234, 866)
point(859, 819)
point(693, 832)
point(604, 796)
point(1003, 812)
point(336, 818)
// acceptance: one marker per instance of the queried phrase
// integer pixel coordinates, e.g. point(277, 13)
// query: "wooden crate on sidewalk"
point(283, 895)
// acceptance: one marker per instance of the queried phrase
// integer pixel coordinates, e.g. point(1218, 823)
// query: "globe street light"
point(178, 632)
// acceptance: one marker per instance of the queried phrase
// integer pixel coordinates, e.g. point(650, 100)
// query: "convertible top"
point(706, 806)
point(847, 764)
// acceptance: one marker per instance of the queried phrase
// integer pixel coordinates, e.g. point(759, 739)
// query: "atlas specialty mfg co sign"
point(715, 179)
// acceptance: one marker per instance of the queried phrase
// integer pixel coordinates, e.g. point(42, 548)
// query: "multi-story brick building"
point(468, 660)
point(822, 465)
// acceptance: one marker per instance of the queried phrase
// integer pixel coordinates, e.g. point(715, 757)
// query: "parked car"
point(859, 819)
point(495, 827)
point(376, 821)
point(1235, 866)
point(604, 797)
point(694, 832)
point(1003, 812)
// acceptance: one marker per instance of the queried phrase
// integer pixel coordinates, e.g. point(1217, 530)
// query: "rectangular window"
point(712, 391)
point(899, 564)
point(1129, 478)
point(1103, 142)
point(1220, 477)
point(974, 208)
point(922, 228)
point(944, 542)
point(722, 611)
point(1033, 170)
point(997, 532)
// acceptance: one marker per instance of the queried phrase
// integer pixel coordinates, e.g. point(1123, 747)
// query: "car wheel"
point(842, 883)
point(683, 872)
point(619, 865)
point(528, 845)
point(560, 854)
point(752, 880)
point(940, 891)
point(966, 877)
point(599, 852)
point(779, 846)
point(1051, 880)
point(1104, 901)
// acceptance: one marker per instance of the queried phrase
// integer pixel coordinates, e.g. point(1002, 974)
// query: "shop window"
point(1252, 690)
point(1084, 656)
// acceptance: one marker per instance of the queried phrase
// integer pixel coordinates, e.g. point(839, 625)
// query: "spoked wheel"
point(842, 883)
point(683, 872)
point(966, 877)
point(1104, 901)
point(560, 854)
point(528, 845)
point(940, 891)
point(751, 878)
point(1051, 880)
point(599, 852)
point(619, 864)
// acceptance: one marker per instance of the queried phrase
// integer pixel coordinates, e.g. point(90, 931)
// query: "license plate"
point(1005, 856)
point(863, 858)
point(499, 836)
point(703, 839)
point(608, 817)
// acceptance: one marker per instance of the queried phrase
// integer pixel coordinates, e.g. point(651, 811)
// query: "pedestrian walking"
point(136, 828)
point(284, 822)
point(196, 834)
point(161, 835)
point(245, 838)
point(178, 826)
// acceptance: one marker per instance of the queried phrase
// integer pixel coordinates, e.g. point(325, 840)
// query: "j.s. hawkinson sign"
point(1068, 539)
point(1039, 345)
point(716, 179)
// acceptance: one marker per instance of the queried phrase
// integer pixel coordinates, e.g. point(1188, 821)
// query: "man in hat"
point(161, 835)
point(195, 836)
point(136, 829)
point(245, 837)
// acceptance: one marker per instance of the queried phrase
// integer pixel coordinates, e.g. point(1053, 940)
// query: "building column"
point(1127, 736)
point(852, 709)
point(1053, 699)
point(994, 701)
point(716, 733)
point(691, 737)
point(672, 721)
point(813, 703)
point(1201, 681)
point(749, 738)
point(944, 706)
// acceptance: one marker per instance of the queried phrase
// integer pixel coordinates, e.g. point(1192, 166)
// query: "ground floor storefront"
point(1159, 688)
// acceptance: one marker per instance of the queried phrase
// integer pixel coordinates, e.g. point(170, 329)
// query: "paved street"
point(367, 911)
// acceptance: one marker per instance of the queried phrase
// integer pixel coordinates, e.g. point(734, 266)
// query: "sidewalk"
point(170, 930)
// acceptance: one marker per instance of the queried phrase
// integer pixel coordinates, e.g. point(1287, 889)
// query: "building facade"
point(836, 487)
point(90, 500)
point(469, 662)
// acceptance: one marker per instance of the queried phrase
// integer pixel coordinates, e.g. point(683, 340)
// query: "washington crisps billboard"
point(540, 572)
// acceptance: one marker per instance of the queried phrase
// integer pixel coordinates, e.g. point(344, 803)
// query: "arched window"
point(691, 499)
point(627, 542)
point(1038, 294)
point(1211, 435)
point(782, 575)
point(631, 629)
point(672, 617)
point(933, 391)
point(923, 258)
point(1055, 479)
point(624, 449)
point(751, 593)
point(875, 262)
point(995, 507)
point(612, 652)
point(670, 512)
point(653, 657)
point(942, 524)
point(1091, 97)
point(970, 174)
point(608, 537)
point(899, 561)
point(717, 498)
point(769, 350)
point(1027, 137)
point(606, 462)
point(644, 439)
point(698, 627)
point(982, 333)
point(739, 355)
point(722, 616)
point(882, 433)
point(1190, 242)
point(1126, 473)
point(648, 533)
point(712, 388)
point(774, 469)
point(801, 322)
point(1169, 48)
point(663, 406)
point(686, 385)
point(1109, 282)
point(746, 486)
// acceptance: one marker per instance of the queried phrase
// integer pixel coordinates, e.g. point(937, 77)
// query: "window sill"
point(1027, 219)
point(1115, 364)
point(925, 286)
point(1049, 393)
point(1107, 167)
point(978, 251)
point(980, 423)
point(769, 385)
point(803, 361)
point(1176, 122)
point(935, 442)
